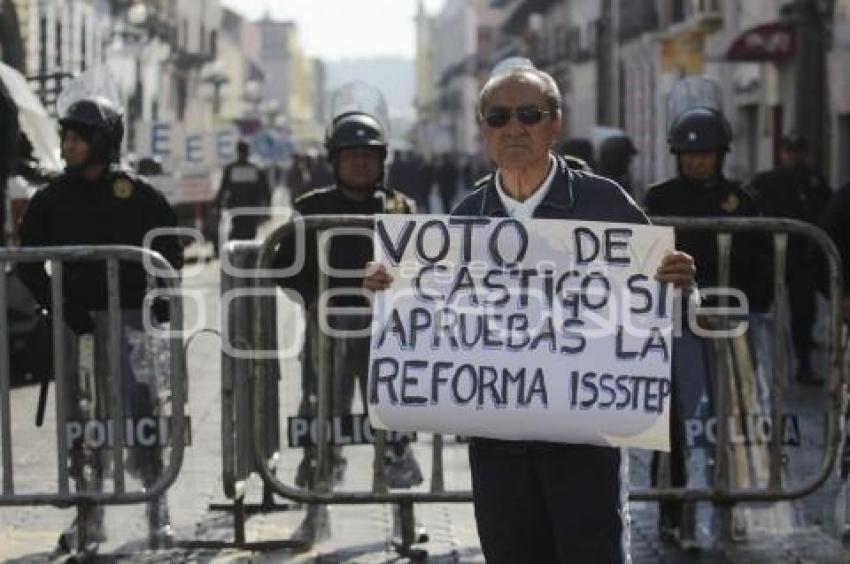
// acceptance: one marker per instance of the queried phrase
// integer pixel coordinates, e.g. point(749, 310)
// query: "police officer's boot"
point(72, 538)
point(316, 525)
point(160, 533)
point(87, 529)
point(400, 466)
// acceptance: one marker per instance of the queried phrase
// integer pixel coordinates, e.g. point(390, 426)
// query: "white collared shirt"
point(525, 210)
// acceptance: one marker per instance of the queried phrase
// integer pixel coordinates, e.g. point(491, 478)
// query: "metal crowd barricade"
point(722, 494)
point(264, 384)
point(63, 497)
point(238, 457)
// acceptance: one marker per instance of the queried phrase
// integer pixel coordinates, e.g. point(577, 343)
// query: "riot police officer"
point(615, 157)
point(94, 202)
point(700, 138)
point(357, 149)
point(243, 185)
point(795, 190)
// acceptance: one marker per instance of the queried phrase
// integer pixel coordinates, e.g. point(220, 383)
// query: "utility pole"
point(811, 103)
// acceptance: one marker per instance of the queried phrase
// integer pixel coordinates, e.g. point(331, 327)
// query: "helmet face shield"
point(359, 120)
point(90, 105)
point(355, 130)
point(100, 124)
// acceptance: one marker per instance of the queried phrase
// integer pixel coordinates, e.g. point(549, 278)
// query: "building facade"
point(455, 55)
point(781, 66)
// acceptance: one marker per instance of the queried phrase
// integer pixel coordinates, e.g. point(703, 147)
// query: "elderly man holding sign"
point(547, 340)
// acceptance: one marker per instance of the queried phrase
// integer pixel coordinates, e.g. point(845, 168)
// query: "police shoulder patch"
point(122, 187)
point(730, 204)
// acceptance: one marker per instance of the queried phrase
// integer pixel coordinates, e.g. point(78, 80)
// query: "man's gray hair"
point(551, 92)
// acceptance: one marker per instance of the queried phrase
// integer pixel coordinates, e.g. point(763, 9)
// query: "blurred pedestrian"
point(615, 158)
point(447, 176)
point(796, 191)
point(423, 183)
point(581, 149)
point(244, 188)
point(298, 177)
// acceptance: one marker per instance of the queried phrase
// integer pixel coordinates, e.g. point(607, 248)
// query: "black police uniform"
point(244, 184)
point(836, 222)
point(117, 209)
point(803, 194)
point(718, 198)
point(348, 252)
point(615, 156)
point(749, 272)
point(704, 130)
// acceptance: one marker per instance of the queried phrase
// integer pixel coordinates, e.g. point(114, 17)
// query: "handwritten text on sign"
point(538, 330)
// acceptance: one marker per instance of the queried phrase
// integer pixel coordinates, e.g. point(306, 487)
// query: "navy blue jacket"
point(574, 194)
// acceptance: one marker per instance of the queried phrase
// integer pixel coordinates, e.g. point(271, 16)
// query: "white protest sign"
point(529, 330)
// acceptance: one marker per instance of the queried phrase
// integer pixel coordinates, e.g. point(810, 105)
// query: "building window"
point(42, 41)
point(57, 44)
point(83, 39)
point(182, 92)
point(677, 10)
point(213, 44)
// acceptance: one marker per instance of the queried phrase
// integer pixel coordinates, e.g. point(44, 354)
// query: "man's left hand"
point(677, 268)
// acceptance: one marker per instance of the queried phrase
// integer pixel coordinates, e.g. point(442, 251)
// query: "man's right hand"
point(377, 278)
point(78, 319)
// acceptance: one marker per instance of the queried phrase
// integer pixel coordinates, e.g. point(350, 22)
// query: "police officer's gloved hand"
point(78, 319)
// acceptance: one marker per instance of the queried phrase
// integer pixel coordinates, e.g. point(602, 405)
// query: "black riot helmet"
point(700, 130)
point(615, 154)
point(352, 130)
point(100, 123)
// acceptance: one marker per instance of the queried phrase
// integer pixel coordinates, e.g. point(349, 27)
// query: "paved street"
point(365, 533)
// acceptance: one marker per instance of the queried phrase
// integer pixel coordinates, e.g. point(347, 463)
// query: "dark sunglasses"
point(499, 116)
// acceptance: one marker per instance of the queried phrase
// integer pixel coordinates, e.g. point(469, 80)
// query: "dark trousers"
point(801, 298)
point(547, 503)
point(670, 512)
point(244, 227)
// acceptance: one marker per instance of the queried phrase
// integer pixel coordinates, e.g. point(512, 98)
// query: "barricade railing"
point(721, 493)
point(238, 459)
point(263, 383)
point(237, 403)
point(63, 496)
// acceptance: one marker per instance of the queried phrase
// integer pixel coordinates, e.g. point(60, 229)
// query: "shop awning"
point(770, 42)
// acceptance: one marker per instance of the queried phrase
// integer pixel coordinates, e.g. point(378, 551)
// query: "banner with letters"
point(525, 330)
